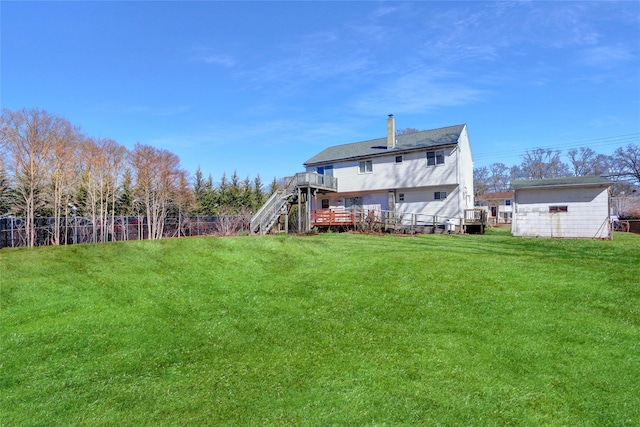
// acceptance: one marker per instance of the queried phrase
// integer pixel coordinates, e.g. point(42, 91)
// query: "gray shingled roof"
point(561, 182)
point(375, 147)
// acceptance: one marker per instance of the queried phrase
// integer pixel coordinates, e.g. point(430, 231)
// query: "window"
point(352, 201)
point(558, 209)
point(435, 158)
point(365, 166)
point(440, 195)
point(325, 203)
point(507, 202)
point(398, 159)
point(325, 170)
point(401, 197)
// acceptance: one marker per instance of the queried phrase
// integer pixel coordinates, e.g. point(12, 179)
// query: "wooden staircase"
point(267, 216)
point(276, 205)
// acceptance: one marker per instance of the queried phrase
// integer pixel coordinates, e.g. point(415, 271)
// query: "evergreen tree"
point(6, 192)
point(234, 193)
point(258, 194)
point(273, 187)
point(124, 204)
point(224, 198)
point(246, 195)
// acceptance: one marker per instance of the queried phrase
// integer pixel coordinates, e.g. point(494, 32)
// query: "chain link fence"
point(74, 230)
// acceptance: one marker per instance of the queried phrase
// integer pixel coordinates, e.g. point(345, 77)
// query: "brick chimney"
point(391, 132)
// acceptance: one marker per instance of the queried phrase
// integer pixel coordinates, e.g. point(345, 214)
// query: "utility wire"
point(590, 143)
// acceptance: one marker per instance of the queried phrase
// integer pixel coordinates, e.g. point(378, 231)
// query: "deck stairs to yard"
point(280, 201)
point(276, 205)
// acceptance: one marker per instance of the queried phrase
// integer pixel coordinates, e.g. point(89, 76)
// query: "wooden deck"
point(474, 221)
point(333, 218)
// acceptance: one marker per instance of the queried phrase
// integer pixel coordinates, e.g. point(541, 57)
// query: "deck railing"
point(475, 216)
point(381, 219)
point(312, 179)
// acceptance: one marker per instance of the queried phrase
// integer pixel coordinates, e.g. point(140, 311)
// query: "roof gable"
point(375, 147)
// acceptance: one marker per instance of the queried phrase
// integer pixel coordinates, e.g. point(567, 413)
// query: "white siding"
point(387, 174)
point(587, 213)
point(422, 201)
point(465, 171)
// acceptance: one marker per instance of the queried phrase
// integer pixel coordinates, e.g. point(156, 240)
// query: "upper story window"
point(435, 158)
point(440, 195)
point(507, 202)
point(365, 166)
point(398, 159)
point(325, 170)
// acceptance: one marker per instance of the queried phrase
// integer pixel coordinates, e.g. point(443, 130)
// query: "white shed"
point(573, 207)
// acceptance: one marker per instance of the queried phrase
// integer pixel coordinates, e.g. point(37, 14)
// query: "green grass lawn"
point(334, 329)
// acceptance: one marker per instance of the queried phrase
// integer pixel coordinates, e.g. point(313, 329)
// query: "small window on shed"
point(558, 209)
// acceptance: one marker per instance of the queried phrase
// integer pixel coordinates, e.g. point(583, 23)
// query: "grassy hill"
point(334, 329)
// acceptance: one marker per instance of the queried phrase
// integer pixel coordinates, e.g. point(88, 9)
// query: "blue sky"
point(260, 87)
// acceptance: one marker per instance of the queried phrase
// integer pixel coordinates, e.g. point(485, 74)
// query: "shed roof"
point(374, 147)
point(570, 181)
point(496, 196)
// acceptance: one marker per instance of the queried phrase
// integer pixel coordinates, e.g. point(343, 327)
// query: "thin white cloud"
point(606, 56)
point(605, 121)
point(418, 92)
point(208, 56)
point(146, 110)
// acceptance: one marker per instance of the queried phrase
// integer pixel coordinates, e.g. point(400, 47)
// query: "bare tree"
point(499, 177)
point(63, 175)
point(541, 163)
point(480, 181)
point(29, 136)
point(627, 163)
point(158, 177)
point(585, 161)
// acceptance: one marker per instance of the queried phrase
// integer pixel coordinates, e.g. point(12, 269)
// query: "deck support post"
point(308, 204)
point(299, 211)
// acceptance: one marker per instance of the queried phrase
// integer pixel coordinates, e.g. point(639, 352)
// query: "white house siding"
point(587, 213)
point(421, 200)
point(465, 171)
point(387, 174)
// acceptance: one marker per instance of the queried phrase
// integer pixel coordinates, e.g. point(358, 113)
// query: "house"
point(416, 179)
point(498, 206)
point(573, 207)
point(428, 173)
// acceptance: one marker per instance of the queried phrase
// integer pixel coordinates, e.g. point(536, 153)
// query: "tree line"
point(623, 168)
point(49, 168)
